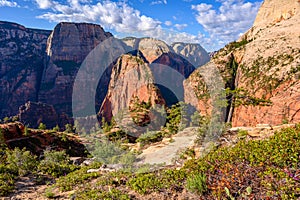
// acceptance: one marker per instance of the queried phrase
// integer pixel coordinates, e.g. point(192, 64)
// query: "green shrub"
point(112, 153)
point(66, 183)
point(26, 131)
point(69, 128)
point(21, 161)
point(6, 180)
point(2, 140)
point(197, 183)
point(242, 133)
point(150, 137)
point(145, 183)
point(159, 181)
point(42, 126)
point(55, 163)
point(56, 128)
point(49, 193)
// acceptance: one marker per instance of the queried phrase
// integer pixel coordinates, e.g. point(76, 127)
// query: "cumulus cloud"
point(180, 26)
point(168, 23)
point(120, 17)
point(5, 3)
point(229, 21)
point(114, 15)
point(44, 4)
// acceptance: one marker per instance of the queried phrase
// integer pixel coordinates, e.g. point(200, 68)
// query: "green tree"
point(2, 139)
point(69, 128)
point(42, 126)
point(56, 128)
point(26, 131)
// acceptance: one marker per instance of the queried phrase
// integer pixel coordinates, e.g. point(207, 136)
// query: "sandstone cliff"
point(21, 65)
point(131, 78)
point(261, 70)
point(194, 53)
point(170, 66)
point(67, 47)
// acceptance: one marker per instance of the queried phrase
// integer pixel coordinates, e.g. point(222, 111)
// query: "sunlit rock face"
point(261, 69)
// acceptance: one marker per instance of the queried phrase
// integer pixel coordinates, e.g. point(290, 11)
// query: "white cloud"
point(202, 7)
point(5, 3)
point(227, 23)
point(113, 15)
point(159, 2)
point(120, 17)
point(168, 23)
point(180, 26)
point(44, 4)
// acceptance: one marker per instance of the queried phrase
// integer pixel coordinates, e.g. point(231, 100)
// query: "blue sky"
point(210, 23)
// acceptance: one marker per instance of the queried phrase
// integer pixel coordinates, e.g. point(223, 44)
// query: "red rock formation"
point(37, 141)
point(131, 77)
point(263, 70)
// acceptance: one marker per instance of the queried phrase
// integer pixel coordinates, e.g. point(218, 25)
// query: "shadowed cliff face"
point(21, 65)
point(67, 47)
point(260, 71)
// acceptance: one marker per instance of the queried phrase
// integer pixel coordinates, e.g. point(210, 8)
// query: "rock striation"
point(272, 12)
point(131, 78)
point(21, 65)
point(67, 47)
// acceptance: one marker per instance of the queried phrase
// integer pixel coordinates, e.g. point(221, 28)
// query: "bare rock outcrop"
point(272, 12)
point(33, 113)
point(147, 73)
point(14, 135)
point(194, 53)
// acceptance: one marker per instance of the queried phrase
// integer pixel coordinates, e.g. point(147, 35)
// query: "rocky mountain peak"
point(151, 48)
point(273, 11)
point(73, 41)
point(194, 53)
point(67, 47)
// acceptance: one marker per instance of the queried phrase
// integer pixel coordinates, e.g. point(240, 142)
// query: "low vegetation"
point(252, 169)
